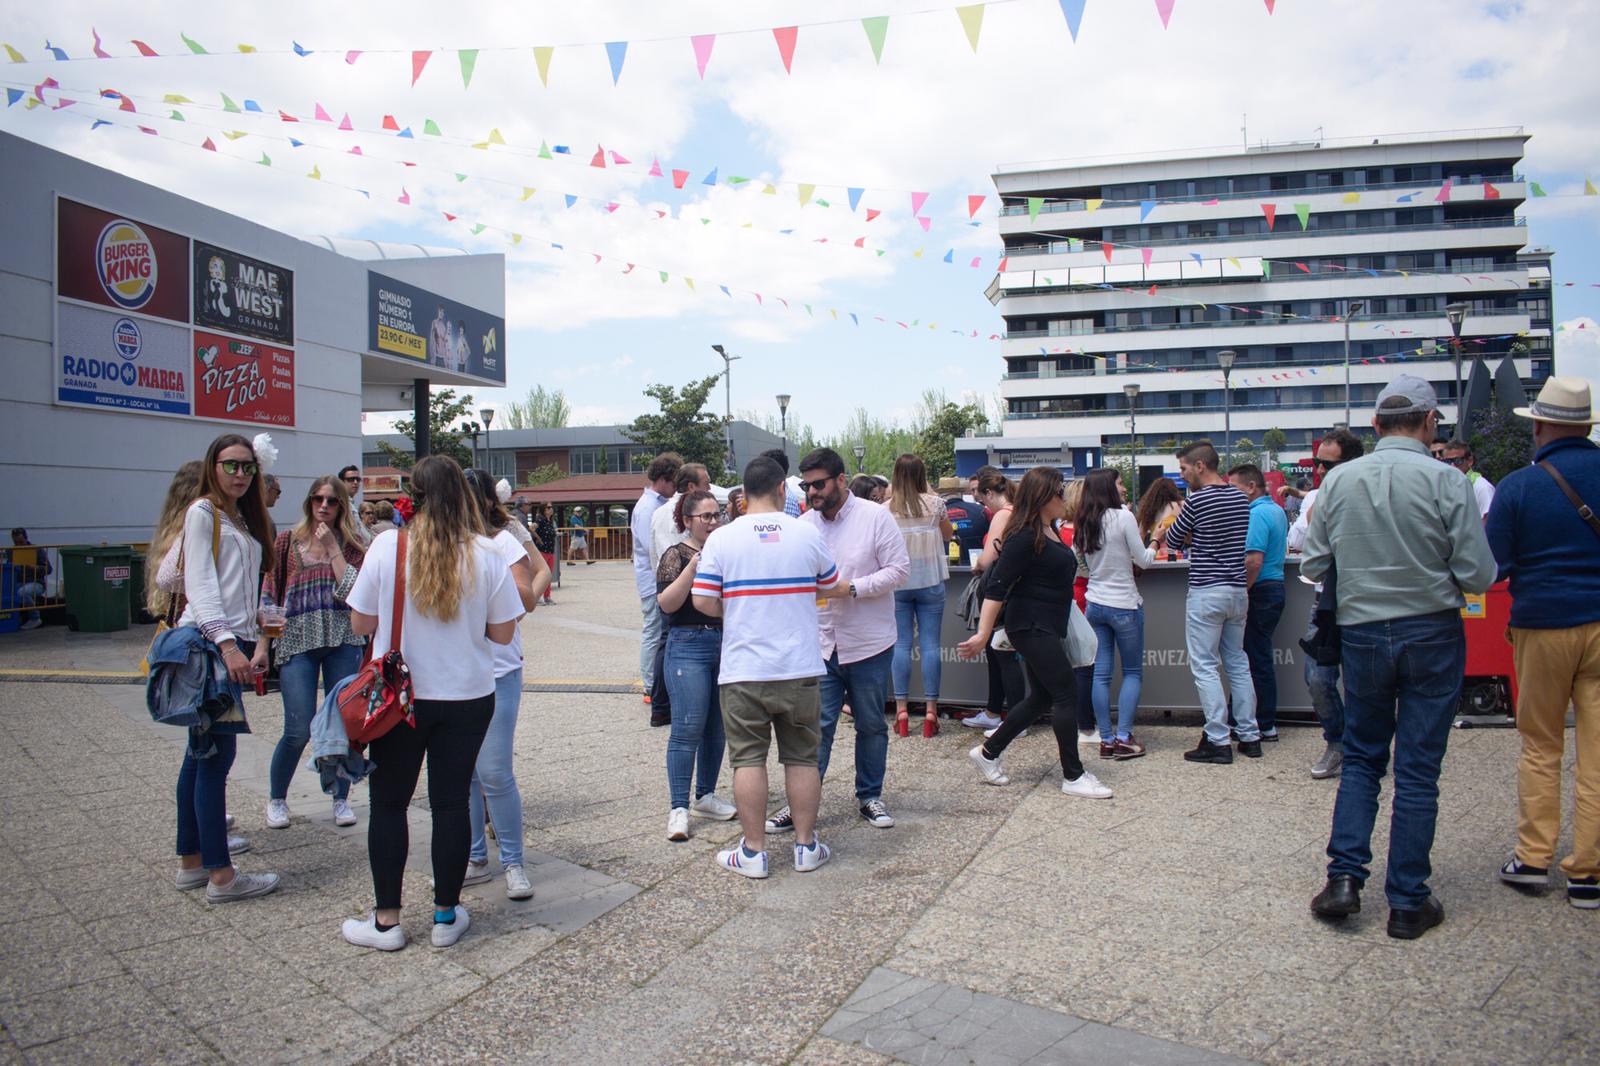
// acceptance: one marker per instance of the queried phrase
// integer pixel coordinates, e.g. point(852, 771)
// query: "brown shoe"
point(1127, 749)
point(1108, 751)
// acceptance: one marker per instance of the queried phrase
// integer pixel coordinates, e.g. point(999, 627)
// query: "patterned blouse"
point(314, 602)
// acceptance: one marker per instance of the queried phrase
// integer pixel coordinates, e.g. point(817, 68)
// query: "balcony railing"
point(1229, 323)
point(1122, 412)
point(1289, 232)
point(1243, 367)
point(1283, 274)
point(1257, 194)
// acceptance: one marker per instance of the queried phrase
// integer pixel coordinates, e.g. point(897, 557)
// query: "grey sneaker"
point(238, 845)
point(1331, 763)
point(477, 873)
point(191, 879)
point(243, 886)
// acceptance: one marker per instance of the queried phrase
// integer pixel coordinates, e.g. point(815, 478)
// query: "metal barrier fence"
point(52, 593)
point(600, 544)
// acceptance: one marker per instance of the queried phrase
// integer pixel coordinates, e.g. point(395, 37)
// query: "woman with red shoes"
point(919, 603)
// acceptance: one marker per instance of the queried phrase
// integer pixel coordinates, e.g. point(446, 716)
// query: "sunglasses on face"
point(1326, 464)
point(351, 480)
point(325, 501)
point(1454, 460)
point(238, 466)
point(815, 486)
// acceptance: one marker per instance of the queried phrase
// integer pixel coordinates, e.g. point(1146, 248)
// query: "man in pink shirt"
point(857, 631)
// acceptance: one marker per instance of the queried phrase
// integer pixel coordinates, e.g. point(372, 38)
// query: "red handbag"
point(379, 697)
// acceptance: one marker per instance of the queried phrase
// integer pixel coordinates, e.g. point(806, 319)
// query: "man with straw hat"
point(1546, 538)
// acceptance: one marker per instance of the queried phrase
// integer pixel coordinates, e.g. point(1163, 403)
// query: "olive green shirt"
point(1405, 531)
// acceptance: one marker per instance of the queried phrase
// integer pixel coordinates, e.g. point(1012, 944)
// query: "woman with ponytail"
point(459, 600)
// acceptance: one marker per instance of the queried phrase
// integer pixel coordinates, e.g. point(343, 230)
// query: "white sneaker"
point(736, 860)
point(277, 814)
point(230, 821)
point(446, 934)
point(238, 845)
point(989, 768)
point(713, 806)
point(982, 720)
point(987, 733)
point(517, 884)
point(192, 879)
point(243, 886)
point(678, 824)
point(342, 814)
point(365, 934)
point(477, 873)
point(1091, 739)
point(810, 857)
point(1088, 786)
point(32, 623)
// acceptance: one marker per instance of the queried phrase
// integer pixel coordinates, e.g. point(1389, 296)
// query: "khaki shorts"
point(752, 711)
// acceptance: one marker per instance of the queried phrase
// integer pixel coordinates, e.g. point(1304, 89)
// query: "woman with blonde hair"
point(226, 547)
point(458, 601)
point(318, 561)
point(919, 603)
point(161, 579)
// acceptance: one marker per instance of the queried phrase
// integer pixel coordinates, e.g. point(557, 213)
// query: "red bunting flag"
point(872, 213)
point(1003, 261)
point(679, 177)
point(209, 145)
point(1271, 211)
point(1152, 291)
point(786, 37)
point(1105, 246)
point(144, 49)
point(448, 217)
point(1302, 268)
point(861, 242)
point(973, 203)
point(285, 116)
point(1490, 192)
point(418, 61)
point(390, 124)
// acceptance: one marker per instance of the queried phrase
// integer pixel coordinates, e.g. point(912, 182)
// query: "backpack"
point(379, 696)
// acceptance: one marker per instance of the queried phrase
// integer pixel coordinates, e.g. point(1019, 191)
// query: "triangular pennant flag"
point(316, 172)
point(1270, 5)
point(663, 274)
point(1164, 9)
point(1151, 291)
point(1145, 254)
point(1034, 204)
point(59, 53)
point(264, 161)
point(786, 37)
point(916, 254)
point(351, 56)
point(725, 291)
point(854, 195)
point(544, 150)
point(1303, 213)
point(1266, 268)
point(193, 45)
point(1537, 189)
point(286, 117)
point(655, 167)
point(541, 59)
point(209, 145)
point(805, 194)
point(418, 61)
point(616, 52)
point(17, 57)
point(233, 135)
point(570, 199)
point(689, 282)
point(527, 192)
point(13, 95)
point(917, 200)
point(469, 61)
point(1443, 195)
point(406, 133)
point(971, 17)
point(1105, 246)
point(702, 51)
point(1092, 206)
point(1197, 258)
point(1145, 207)
point(390, 124)
point(228, 104)
point(877, 27)
point(251, 105)
point(1003, 261)
point(1352, 198)
point(975, 261)
point(431, 128)
point(245, 49)
point(599, 159)
point(356, 151)
point(405, 197)
point(99, 53)
point(516, 238)
point(448, 217)
point(1490, 192)
point(1588, 187)
point(1271, 211)
point(611, 208)
point(873, 213)
point(479, 228)
point(176, 98)
point(296, 144)
point(299, 49)
point(1073, 10)
point(769, 190)
point(950, 256)
point(973, 203)
point(344, 123)
point(616, 159)
point(679, 177)
point(711, 178)
point(925, 222)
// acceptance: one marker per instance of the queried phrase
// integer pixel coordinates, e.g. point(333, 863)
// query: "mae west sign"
point(121, 263)
point(237, 294)
point(242, 381)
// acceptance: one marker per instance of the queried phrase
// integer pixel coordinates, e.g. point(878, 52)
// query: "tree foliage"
point(542, 409)
point(1275, 443)
point(445, 409)
point(541, 475)
point(1501, 442)
point(945, 422)
point(683, 424)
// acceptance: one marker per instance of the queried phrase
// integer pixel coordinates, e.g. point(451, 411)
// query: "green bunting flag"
point(194, 45)
point(877, 28)
point(1034, 204)
point(1303, 213)
point(430, 127)
point(469, 60)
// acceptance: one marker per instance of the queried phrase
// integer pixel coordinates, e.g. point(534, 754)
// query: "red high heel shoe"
point(930, 724)
point(902, 723)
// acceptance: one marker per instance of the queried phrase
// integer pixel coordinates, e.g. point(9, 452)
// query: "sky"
point(934, 116)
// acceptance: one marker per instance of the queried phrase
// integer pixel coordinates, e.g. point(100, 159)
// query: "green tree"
point(946, 421)
point(683, 425)
point(883, 441)
point(541, 475)
point(1501, 442)
point(1244, 451)
point(445, 409)
point(1275, 443)
point(541, 410)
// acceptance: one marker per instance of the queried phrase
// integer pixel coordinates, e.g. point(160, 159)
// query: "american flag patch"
point(767, 537)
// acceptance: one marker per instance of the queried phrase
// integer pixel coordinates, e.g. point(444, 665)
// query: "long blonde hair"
point(187, 486)
point(910, 486)
point(344, 528)
point(1073, 498)
point(439, 565)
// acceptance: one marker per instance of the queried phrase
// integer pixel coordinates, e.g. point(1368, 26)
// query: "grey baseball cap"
point(1418, 394)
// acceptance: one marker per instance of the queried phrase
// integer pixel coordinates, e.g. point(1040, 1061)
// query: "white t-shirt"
point(508, 657)
point(1483, 492)
point(451, 660)
point(664, 530)
point(766, 569)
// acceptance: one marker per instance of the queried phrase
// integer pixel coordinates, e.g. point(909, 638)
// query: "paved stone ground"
point(991, 925)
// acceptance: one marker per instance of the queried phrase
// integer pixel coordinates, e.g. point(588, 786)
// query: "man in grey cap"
point(1403, 538)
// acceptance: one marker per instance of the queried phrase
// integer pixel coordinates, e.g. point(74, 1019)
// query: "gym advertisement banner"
point(243, 381)
point(417, 324)
point(238, 294)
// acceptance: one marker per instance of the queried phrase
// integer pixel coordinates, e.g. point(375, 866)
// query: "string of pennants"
point(786, 38)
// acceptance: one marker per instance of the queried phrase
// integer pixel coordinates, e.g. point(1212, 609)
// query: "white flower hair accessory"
point(502, 489)
point(266, 451)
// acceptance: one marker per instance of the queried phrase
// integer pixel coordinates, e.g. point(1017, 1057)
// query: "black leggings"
point(1005, 681)
point(449, 734)
point(1050, 685)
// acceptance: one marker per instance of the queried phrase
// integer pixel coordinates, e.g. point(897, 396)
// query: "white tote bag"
point(1081, 643)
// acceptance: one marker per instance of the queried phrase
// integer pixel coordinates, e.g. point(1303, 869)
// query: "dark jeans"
point(1083, 682)
point(203, 804)
point(660, 694)
point(1051, 686)
point(297, 680)
point(448, 734)
point(1402, 685)
point(1266, 608)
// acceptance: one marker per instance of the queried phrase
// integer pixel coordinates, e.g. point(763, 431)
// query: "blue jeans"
point(866, 685)
point(493, 782)
point(297, 680)
point(1214, 628)
point(1266, 608)
point(203, 803)
point(1323, 683)
point(649, 637)
point(694, 657)
point(29, 593)
point(1119, 632)
point(1402, 686)
point(926, 608)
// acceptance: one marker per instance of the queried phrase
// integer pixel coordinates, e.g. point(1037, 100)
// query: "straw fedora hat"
point(1562, 402)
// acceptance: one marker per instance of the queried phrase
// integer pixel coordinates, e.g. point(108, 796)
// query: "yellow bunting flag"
point(16, 56)
point(176, 98)
point(972, 22)
point(1588, 188)
point(805, 194)
point(1352, 198)
point(770, 190)
point(516, 238)
point(689, 282)
point(246, 48)
point(316, 172)
point(527, 192)
point(1093, 205)
point(541, 57)
point(233, 135)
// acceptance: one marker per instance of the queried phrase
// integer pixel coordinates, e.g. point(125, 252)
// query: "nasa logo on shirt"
point(125, 263)
point(767, 532)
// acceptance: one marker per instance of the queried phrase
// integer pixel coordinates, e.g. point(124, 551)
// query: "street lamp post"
point(487, 414)
point(1350, 308)
point(783, 419)
point(472, 429)
point(1131, 391)
point(861, 454)
point(727, 387)
point(1457, 314)
point(1225, 360)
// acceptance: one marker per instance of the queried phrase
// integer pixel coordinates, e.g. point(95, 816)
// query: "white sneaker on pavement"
point(1088, 786)
point(477, 873)
point(987, 733)
point(243, 886)
point(192, 879)
point(713, 806)
point(238, 845)
point(678, 824)
point(342, 814)
point(447, 933)
point(277, 814)
point(808, 857)
point(517, 884)
point(734, 858)
point(989, 768)
point(1090, 739)
point(364, 933)
point(982, 720)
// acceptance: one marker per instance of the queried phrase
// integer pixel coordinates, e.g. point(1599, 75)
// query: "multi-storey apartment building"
point(1132, 275)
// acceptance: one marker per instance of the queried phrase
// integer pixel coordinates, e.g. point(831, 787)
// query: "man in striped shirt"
point(1212, 528)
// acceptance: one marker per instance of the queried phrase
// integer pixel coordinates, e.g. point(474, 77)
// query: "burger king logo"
point(125, 262)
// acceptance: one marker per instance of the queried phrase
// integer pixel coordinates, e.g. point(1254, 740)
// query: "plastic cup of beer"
point(272, 618)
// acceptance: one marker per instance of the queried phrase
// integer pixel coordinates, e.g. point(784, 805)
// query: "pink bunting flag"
point(660, 214)
point(612, 208)
point(758, 297)
point(786, 37)
point(1146, 253)
point(351, 56)
point(1271, 4)
point(418, 61)
point(618, 160)
point(679, 177)
point(322, 116)
point(599, 159)
point(861, 242)
point(873, 213)
point(1164, 9)
point(975, 261)
point(655, 168)
point(1002, 268)
point(99, 53)
point(925, 221)
point(702, 51)
point(973, 203)
point(405, 197)
point(917, 200)
point(632, 265)
point(1443, 196)
point(356, 150)
point(209, 145)
point(344, 123)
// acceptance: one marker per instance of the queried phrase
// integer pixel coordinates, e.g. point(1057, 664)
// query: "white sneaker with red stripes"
point(741, 860)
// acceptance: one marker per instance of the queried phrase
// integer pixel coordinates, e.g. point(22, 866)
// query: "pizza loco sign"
point(123, 323)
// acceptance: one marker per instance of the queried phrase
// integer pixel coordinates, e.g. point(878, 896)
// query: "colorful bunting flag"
point(925, 222)
point(264, 161)
point(711, 178)
point(1146, 253)
point(209, 145)
point(541, 59)
point(971, 17)
point(1537, 189)
point(786, 36)
point(1490, 192)
point(1145, 207)
point(1588, 187)
point(405, 197)
point(854, 196)
point(805, 193)
point(1105, 246)
point(917, 200)
point(877, 28)
point(1443, 195)
point(1271, 211)
point(702, 51)
point(1073, 11)
point(872, 213)
point(430, 128)
point(350, 57)
point(319, 114)
point(299, 49)
point(1164, 9)
point(679, 177)
point(1303, 213)
point(17, 57)
point(570, 199)
point(194, 45)
point(419, 60)
point(99, 53)
point(1352, 198)
point(469, 62)
point(616, 52)
point(973, 203)
point(1034, 204)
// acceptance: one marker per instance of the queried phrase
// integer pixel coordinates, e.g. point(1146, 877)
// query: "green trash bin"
point(98, 583)
point(136, 612)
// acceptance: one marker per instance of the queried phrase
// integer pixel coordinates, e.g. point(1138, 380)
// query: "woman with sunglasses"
point(693, 660)
point(317, 564)
point(221, 590)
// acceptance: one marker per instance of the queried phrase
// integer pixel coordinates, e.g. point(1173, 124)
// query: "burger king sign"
point(126, 264)
point(121, 263)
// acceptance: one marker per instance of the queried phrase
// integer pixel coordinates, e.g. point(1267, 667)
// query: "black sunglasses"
point(1326, 464)
point(331, 501)
point(817, 485)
